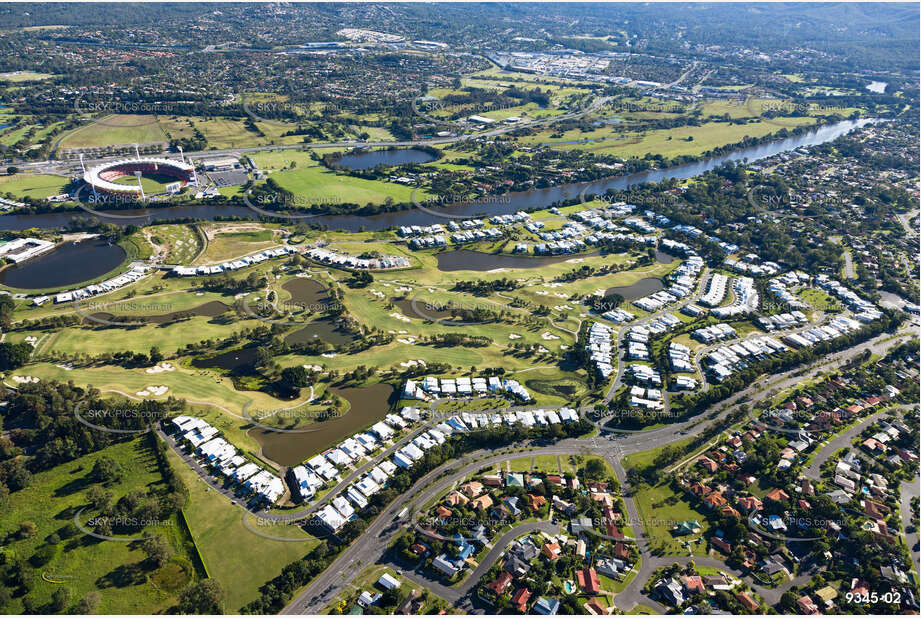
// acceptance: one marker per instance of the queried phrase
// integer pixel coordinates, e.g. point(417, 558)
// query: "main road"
point(371, 546)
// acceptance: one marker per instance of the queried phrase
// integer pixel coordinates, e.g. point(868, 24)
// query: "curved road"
point(372, 544)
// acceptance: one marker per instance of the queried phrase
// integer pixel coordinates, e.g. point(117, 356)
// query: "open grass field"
point(24, 76)
point(225, 133)
point(83, 564)
point(645, 458)
point(115, 129)
point(237, 558)
point(317, 185)
point(667, 142)
point(36, 186)
point(28, 127)
point(228, 242)
point(661, 509)
point(193, 384)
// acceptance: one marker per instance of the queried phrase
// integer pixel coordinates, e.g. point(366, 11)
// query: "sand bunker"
point(153, 391)
point(160, 368)
point(25, 379)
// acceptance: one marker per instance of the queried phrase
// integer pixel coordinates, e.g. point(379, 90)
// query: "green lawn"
point(82, 563)
point(318, 185)
point(24, 76)
point(667, 142)
point(36, 186)
point(238, 559)
point(116, 129)
point(661, 509)
point(645, 458)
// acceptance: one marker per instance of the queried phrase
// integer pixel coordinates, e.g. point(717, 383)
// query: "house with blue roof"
point(546, 607)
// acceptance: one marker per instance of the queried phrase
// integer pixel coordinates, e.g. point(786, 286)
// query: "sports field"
point(36, 186)
point(151, 183)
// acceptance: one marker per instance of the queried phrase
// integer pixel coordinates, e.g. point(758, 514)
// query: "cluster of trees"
point(42, 420)
point(14, 355)
point(479, 287)
point(451, 340)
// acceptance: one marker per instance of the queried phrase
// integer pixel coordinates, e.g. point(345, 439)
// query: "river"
point(524, 200)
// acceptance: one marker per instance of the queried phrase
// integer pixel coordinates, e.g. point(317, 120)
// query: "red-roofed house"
point(708, 464)
point(588, 580)
point(747, 601)
point(750, 503)
point(694, 584)
point(520, 599)
point(777, 495)
point(715, 500)
point(551, 550)
point(721, 545)
point(807, 606)
point(499, 584)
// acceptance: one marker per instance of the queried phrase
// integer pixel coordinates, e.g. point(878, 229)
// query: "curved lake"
point(67, 264)
point(536, 198)
point(643, 287)
point(369, 159)
point(368, 404)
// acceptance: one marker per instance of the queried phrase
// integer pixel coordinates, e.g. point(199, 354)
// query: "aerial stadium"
point(157, 177)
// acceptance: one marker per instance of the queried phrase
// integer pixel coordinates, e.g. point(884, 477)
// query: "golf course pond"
point(367, 405)
point(209, 309)
point(67, 264)
point(643, 287)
